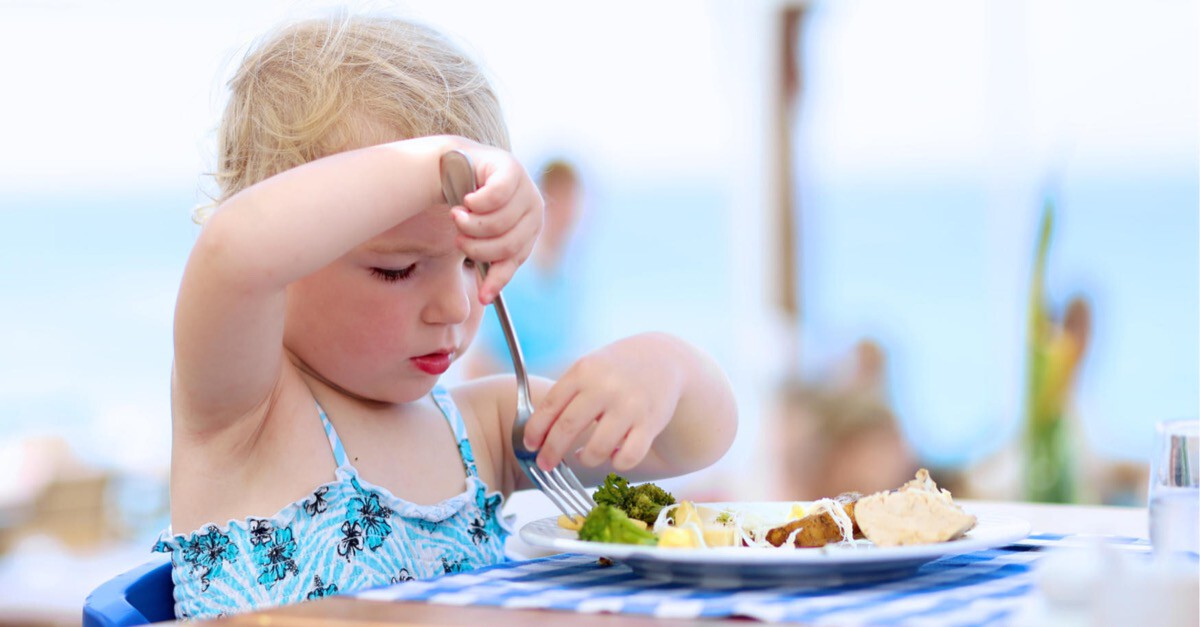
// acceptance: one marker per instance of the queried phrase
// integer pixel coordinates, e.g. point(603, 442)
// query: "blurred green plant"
point(1054, 351)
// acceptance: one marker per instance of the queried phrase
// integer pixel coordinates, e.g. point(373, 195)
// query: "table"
point(1044, 518)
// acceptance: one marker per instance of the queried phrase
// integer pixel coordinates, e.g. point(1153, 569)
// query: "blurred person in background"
point(840, 434)
point(543, 295)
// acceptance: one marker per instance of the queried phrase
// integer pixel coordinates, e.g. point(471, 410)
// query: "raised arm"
point(229, 319)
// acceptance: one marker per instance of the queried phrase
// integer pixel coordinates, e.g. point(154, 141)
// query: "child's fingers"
point(499, 274)
point(485, 225)
point(634, 449)
point(499, 186)
point(547, 409)
point(607, 437)
point(516, 244)
point(519, 236)
point(579, 414)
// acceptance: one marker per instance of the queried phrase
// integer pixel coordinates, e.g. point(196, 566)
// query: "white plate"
point(736, 566)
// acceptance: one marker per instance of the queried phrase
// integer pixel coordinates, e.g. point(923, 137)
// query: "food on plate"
point(642, 502)
point(573, 523)
point(831, 520)
point(685, 513)
point(680, 538)
point(917, 513)
point(686, 525)
point(715, 536)
point(697, 537)
point(606, 523)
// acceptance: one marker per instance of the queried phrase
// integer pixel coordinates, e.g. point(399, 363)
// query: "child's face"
point(386, 319)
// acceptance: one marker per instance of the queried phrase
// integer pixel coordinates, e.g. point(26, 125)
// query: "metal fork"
point(560, 484)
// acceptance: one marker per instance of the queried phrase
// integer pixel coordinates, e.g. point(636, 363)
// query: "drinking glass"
point(1175, 488)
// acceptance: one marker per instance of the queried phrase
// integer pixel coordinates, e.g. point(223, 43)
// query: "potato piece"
point(678, 538)
point(685, 513)
point(719, 536)
point(572, 524)
point(817, 529)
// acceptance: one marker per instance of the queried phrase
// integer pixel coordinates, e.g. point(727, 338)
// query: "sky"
point(126, 93)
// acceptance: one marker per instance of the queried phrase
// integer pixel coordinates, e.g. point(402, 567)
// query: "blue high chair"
point(141, 596)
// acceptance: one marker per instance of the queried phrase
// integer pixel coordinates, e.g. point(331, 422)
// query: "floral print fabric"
point(346, 535)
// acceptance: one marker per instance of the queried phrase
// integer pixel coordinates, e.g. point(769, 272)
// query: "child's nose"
point(450, 302)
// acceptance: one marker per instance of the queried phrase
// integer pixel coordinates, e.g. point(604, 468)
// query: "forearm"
point(292, 224)
point(705, 419)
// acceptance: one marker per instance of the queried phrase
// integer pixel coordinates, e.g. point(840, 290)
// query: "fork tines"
point(562, 487)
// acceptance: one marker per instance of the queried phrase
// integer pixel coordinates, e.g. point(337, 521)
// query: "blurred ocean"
point(934, 271)
point(939, 274)
point(89, 286)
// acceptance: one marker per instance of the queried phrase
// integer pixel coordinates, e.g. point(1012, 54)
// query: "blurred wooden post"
point(782, 220)
point(761, 53)
point(787, 211)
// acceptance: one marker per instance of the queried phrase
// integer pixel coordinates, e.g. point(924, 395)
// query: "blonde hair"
point(325, 85)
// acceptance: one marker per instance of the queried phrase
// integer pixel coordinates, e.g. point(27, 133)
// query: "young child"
point(313, 451)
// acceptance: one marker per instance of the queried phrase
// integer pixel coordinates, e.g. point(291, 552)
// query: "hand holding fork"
point(560, 485)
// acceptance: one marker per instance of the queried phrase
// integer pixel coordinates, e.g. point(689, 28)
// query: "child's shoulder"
point(493, 393)
point(480, 399)
point(491, 402)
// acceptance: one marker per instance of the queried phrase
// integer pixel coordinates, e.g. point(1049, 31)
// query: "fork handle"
point(514, 347)
point(458, 180)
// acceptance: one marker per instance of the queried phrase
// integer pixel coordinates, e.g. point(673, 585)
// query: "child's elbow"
point(224, 251)
point(714, 427)
point(724, 425)
point(720, 403)
point(715, 406)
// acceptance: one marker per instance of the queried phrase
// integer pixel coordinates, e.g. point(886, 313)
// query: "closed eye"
point(391, 276)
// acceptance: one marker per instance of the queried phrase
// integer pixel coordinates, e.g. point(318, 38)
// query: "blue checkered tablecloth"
point(981, 588)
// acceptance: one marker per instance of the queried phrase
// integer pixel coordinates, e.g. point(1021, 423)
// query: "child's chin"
point(410, 393)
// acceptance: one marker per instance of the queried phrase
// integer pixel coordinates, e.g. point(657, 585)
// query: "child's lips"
point(433, 363)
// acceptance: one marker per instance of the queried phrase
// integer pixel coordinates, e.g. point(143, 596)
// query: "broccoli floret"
point(646, 500)
point(642, 502)
point(606, 523)
point(614, 492)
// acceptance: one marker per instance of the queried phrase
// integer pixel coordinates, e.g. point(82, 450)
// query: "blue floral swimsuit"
point(347, 535)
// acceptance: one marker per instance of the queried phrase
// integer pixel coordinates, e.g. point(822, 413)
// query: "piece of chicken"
point(917, 513)
point(818, 528)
